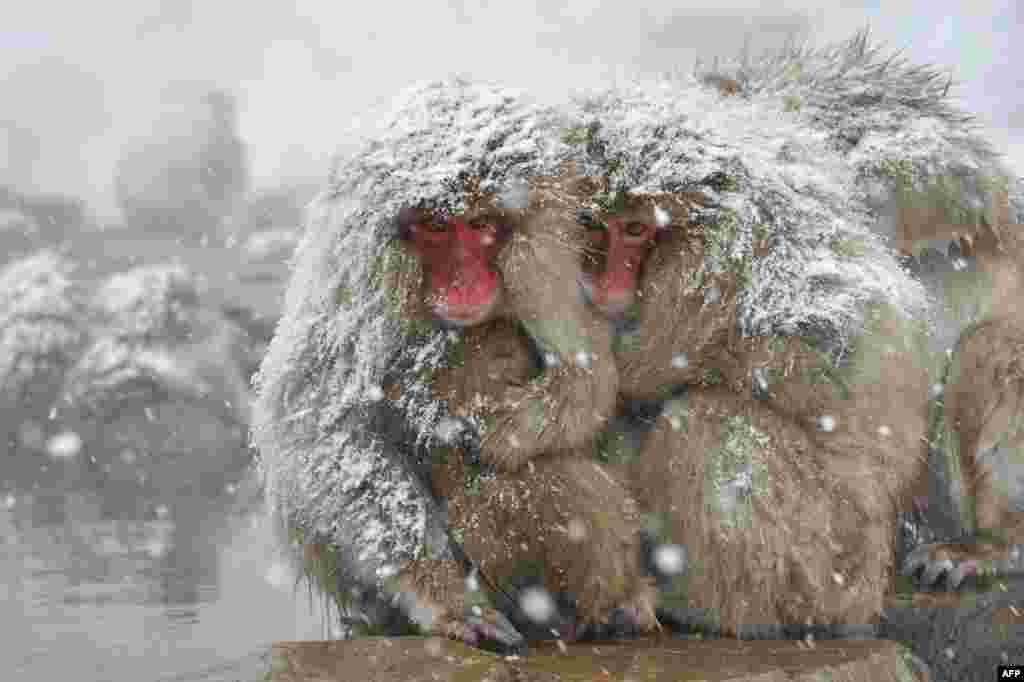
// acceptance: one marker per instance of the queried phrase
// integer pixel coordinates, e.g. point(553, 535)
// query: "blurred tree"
point(187, 177)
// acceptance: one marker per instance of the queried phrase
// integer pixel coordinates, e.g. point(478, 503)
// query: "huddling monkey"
point(780, 472)
point(533, 382)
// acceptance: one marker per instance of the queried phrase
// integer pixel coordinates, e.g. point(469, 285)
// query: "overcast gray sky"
point(84, 77)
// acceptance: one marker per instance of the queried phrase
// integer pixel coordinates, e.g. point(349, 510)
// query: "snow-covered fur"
point(336, 465)
point(807, 153)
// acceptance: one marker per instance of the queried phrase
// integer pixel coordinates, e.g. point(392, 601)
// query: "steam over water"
point(196, 596)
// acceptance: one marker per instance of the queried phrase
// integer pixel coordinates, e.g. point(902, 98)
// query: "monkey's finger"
point(915, 561)
point(495, 627)
point(963, 570)
point(935, 570)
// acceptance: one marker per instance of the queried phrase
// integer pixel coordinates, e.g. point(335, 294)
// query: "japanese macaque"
point(639, 266)
point(499, 263)
point(983, 408)
point(561, 519)
point(780, 473)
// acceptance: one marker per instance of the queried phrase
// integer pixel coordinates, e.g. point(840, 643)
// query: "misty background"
point(133, 546)
point(83, 85)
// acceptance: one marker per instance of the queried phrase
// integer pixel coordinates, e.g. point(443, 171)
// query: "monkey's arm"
point(984, 403)
point(576, 394)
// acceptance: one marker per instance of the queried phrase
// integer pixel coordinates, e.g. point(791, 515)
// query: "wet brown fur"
point(814, 547)
point(538, 268)
point(685, 325)
point(820, 546)
point(984, 401)
point(522, 516)
point(523, 520)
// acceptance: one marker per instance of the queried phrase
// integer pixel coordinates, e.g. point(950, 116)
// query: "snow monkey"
point(780, 472)
point(499, 263)
point(562, 518)
point(983, 410)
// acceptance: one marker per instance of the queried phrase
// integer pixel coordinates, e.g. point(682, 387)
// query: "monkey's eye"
point(636, 229)
point(436, 226)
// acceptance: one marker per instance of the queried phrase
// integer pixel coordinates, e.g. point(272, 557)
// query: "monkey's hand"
point(438, 587)
point(640, 610)
point(480, 624)
point(949, 565)
point(563, 410)
point(514, 438)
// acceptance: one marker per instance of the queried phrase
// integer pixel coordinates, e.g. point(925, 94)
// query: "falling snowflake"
point(387, 571)
point(959, 264)
point(156, 548)
point(473, 581)
point(884, 431)
point(537, 604)
point(162, 512)
point(662, 218)
point(670, 559)
point(583, 359)
point(826, 423)
point(64, 445)
point(551, 360)
point(375, 394)
point(680, 361)
point(10, 501)
point(936, 391)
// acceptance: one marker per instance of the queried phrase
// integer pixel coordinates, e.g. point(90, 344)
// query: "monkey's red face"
point(461, 283)
point(616, 251)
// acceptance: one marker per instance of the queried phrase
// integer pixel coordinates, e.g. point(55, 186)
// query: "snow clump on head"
point(899, 130)
point(779, 177)
point(342, 332)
